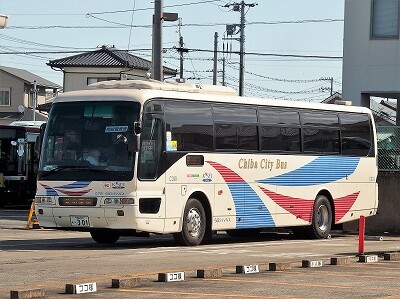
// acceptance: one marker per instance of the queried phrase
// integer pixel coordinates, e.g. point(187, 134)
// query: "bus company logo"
point(193, 177)
point(118, 185)
point(207, 177)
point(107, 185)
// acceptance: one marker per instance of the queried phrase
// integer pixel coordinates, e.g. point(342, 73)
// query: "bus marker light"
point(194, 160)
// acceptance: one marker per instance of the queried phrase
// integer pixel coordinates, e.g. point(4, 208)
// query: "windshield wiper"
point(71, 167)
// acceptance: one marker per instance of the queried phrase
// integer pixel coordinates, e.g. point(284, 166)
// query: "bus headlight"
point(119, 201)
point(45, 200)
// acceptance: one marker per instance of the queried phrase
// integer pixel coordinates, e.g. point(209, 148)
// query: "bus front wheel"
point(194, 224)
point(104, 236)
point(321, 219)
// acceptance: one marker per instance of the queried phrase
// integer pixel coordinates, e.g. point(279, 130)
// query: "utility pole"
point(157, 68)
point(223, 71)
point(329, 79)
point(215, 70)
point(241, 7)
point(34, 100)
point(158, 18)
point(241, 52)
point(181, 50)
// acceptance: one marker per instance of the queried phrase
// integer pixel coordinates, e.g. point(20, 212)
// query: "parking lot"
point(48, 260)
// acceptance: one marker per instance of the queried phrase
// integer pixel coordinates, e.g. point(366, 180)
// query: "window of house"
point(5, 97)
point(91, 80)
point(385, 19)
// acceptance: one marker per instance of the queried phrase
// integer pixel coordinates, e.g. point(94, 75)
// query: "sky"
point(309, 31)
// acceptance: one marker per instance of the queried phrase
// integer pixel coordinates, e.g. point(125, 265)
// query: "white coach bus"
point(138, 157)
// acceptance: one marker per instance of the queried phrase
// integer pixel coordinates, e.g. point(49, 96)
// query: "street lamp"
point(3, 21)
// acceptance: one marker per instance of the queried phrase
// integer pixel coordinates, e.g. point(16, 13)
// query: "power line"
point(281, 80)
point(189, 50)
point(122, 26)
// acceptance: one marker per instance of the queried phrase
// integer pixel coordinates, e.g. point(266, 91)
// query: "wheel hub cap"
point(194, 222)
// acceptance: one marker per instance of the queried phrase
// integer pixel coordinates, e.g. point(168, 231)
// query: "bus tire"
point(194, 224)
point(321, 218)
point(104, 236)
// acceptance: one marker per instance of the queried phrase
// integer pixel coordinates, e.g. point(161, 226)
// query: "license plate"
point(80, 221)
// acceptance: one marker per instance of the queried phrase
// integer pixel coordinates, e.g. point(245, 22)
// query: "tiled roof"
point(29, 77)
point(106, 57)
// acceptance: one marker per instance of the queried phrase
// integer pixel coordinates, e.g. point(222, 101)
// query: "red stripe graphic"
point(302, 208)
point(227, 174)
point(343, 205)
point(299, 207)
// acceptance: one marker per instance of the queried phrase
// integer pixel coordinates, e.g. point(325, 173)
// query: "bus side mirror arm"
point(39, 139)
point(133, 143)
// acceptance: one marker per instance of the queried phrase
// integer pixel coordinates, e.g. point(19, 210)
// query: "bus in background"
point(139, 157)
point(18, 162)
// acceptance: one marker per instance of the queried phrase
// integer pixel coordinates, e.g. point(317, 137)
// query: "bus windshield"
point(88, 141)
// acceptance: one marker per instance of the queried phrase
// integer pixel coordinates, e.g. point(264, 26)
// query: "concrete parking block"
point(311, 263)
point(27, 294)
point(172, 276)
point(282, 266)
point(130, 282)
point(247, 269)
point(209, 273)
point(368, 258)
point(88, 287)
point(342, 260)
point(392, 256)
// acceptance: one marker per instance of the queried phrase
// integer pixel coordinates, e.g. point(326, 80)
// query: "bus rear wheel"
point(194, 224)
point(104, 236)
point(321, 219)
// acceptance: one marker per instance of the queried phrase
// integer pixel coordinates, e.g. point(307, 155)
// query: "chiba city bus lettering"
point(262, 164)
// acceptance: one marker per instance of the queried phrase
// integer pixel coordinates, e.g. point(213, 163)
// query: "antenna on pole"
point(239, 6)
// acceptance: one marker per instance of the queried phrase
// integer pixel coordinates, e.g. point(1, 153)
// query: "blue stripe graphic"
point(324, 169)
point(249, 207)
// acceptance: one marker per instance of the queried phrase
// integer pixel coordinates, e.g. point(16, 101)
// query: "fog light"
point(40, 211)
point(120, 212)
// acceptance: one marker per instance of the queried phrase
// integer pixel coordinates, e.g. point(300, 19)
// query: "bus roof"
point(143, 90)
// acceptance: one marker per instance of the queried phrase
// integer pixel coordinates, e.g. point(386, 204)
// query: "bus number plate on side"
point(79, 221)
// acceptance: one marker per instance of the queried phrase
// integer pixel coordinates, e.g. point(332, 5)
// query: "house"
point(16, 95)
point(384, 111)
point(107, 63)
point(371, 51)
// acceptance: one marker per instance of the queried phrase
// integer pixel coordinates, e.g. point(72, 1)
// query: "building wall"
point(370, 66)
point(76, 78)
point(17, 92)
